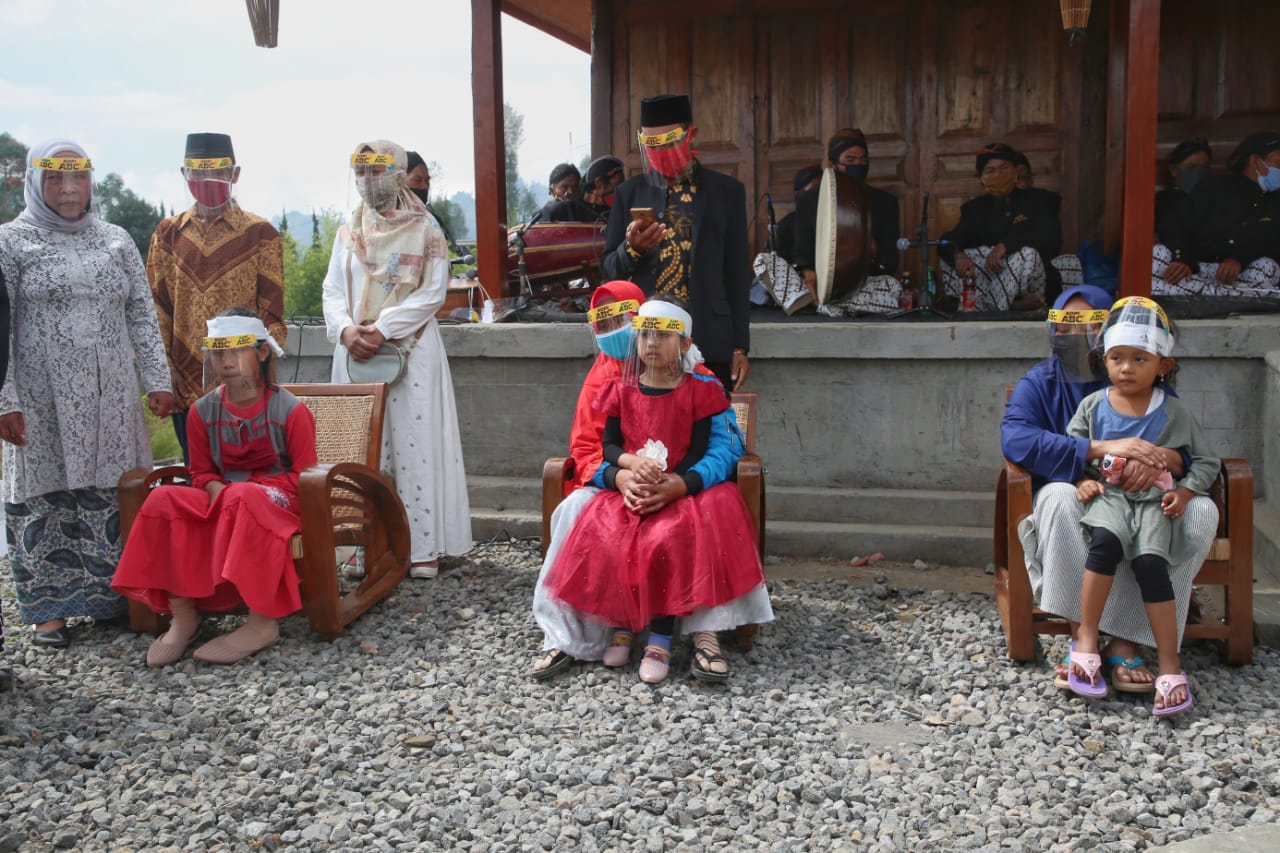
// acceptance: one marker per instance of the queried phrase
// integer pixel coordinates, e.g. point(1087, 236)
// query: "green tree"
point(512, 139)
point(13, 171)
point(121, 206)
point(304, 277)
point(450, 214)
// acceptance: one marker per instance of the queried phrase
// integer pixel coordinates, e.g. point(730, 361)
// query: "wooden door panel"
point(967, 57)
point(795, 95)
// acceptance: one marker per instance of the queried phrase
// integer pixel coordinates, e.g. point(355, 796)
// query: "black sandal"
point(551, 662)
point(706, 654)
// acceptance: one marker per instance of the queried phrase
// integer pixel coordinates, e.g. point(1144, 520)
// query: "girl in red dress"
point(662, 542)
point(223, 541)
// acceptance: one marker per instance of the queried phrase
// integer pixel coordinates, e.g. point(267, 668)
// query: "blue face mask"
point(857, 170)
point(1270, 182)
point(617, 344)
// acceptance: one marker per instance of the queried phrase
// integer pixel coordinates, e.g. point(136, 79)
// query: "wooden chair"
point(1229, 565)
point(345, 500)
point(749, 477)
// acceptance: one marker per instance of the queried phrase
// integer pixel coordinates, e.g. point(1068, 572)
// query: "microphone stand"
point(924, 303)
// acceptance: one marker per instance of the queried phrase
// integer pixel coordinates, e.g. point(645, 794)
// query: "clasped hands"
point(1144, 464)
point(648, 489)
point(362, 341)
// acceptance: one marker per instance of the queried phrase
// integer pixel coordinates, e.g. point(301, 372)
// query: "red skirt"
point(231, 551)
point(623, 570)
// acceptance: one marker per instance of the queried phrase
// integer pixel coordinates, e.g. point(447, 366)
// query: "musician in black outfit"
point(1232, 230)
point(1005, 239)
point(806, 178)
point(1188, 165)
point(847, 151)
point(1067, 264)
point(695, 248)
point(598, 184)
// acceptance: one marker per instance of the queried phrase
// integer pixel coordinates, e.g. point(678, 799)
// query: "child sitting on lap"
point(1142, 528)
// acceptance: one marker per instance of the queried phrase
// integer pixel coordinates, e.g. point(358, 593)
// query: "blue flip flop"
point(1095, 687)
point(1130, 664)
point(1165, 685)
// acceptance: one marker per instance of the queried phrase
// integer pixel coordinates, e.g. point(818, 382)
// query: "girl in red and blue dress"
point(223, 541)
point(669, 539)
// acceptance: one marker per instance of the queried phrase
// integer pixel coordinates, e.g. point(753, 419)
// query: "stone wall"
point(843, 405)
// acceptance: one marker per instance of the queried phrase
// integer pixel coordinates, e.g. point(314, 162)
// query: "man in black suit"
point(694, 247)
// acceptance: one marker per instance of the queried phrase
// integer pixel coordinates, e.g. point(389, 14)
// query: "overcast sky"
point(128, 79)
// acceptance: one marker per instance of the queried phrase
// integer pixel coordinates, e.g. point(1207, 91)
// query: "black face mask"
point(857, 170)
point(1076, 355)
point(421, 194)
point(1189, 176)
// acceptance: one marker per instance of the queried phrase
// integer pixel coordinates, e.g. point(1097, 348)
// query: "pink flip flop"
point(1096, 686)
point(1165, 685)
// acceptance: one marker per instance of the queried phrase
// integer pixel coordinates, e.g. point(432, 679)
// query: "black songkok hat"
point(202, 146)
point(805, 176)
point(662, 110)
point(1261, 143)
point(843, 140)
point(562, 171)
point(1187, 147)
point(1020, 159)
point(996, 151)
point(603, 167)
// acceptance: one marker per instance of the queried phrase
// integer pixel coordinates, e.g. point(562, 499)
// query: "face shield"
point(667, 155)
point(210, 180)
point(611, 328)
point(663, 350)
point(1073, 337)
point(66, 184)
point(1138, 322)
point(378, 178)
point(236, 350)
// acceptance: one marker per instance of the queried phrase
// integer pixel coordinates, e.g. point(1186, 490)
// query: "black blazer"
point(1233, 218)
point(720, 269)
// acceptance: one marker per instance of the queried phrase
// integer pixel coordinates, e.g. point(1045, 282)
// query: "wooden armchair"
point(1229, 565)
point(749, 477)
point(345, 500)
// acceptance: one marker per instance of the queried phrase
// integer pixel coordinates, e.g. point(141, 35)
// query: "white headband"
point(234, 327)
point(659, 308)
point(1145, 337)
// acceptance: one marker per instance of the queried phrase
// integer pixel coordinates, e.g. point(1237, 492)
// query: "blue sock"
point(662, 641)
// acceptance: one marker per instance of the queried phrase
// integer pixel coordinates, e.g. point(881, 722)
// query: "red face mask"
point(211, 194)
point(670, 161)
point(608, 200)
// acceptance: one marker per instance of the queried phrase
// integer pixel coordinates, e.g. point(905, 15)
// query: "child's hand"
point(1174, 503)
point(1087, 490)
point(646, 470)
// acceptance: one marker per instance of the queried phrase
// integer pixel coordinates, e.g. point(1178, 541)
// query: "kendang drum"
point(555, 254)
point(842, 254)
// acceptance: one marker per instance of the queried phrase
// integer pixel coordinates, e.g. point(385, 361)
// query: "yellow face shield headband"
point(208, 163)
point(235, 342)
point(658, 324)
point(63, 164)
point(369, 159)
point(613, 309)
point(662, 138)
point(1142, 302)
point(1078, 317)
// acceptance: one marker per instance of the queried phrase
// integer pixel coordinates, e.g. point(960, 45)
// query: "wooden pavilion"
point(928, 81)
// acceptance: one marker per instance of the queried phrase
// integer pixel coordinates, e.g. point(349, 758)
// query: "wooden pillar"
point(490, 153)
point(601, 78)
point(1142, 84)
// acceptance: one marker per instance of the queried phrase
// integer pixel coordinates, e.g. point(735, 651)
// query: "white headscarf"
point(38, 212)
point(235, 326)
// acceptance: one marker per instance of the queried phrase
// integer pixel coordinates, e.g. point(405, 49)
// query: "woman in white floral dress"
point(84, 326)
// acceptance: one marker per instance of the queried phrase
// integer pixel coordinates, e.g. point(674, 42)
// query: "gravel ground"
point(866, 718)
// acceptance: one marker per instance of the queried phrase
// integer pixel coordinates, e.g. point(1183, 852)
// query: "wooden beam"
point(1142, 87)
point(490, 153)
point(602, 78)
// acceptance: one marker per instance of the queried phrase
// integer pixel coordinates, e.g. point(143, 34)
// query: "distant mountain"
point(466, 202)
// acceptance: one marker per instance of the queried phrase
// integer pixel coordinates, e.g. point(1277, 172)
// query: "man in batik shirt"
point(210, 257)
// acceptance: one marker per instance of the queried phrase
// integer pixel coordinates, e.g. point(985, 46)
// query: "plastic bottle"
point(907, 298)
point(969, 294)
